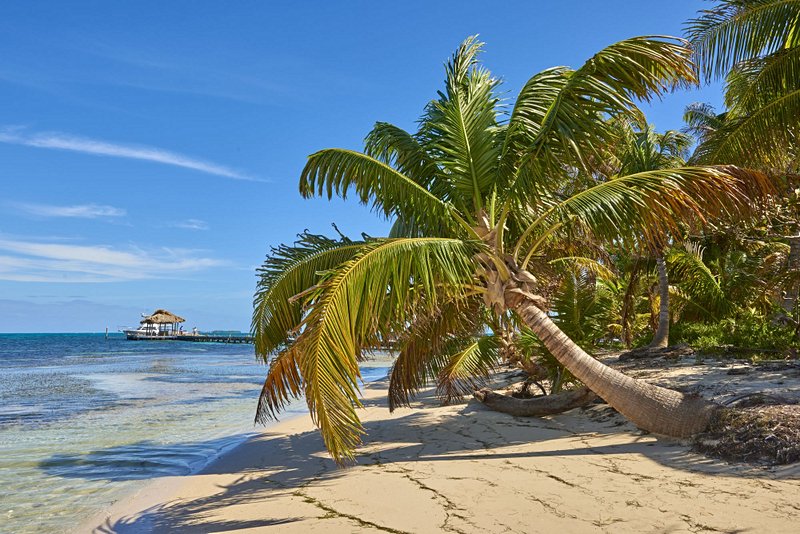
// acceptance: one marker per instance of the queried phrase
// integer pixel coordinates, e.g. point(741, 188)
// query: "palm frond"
point(283, 384)
point(336, 170)
point(467, 367)
point(699, 286)
point(423, 352)
point(461, 127)
point(765, 137)
point(651, 205)
point(702, 120)
point(562, 113)
point(737, 30)
point(756, 82)
point(288, 271)
point(401, 150)
point(351, 310)
point(588, 264)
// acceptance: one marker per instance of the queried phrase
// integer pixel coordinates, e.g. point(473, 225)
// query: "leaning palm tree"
point(482, 201)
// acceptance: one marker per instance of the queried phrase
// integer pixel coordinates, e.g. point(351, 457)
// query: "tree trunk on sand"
point(652, 408)
point(661, 338)
point(789, 300)
point(537, 406)
point(628, 304)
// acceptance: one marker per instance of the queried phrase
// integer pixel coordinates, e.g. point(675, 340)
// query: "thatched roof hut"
point(163, 317)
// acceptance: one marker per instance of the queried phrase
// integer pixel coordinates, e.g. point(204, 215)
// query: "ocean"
point(86, 420)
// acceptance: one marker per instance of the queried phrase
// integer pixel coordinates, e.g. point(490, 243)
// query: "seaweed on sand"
point(762, 434)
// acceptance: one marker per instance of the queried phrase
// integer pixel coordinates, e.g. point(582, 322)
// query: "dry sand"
point(466, 469)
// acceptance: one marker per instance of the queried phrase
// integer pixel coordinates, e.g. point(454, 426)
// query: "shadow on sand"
point(273, 462)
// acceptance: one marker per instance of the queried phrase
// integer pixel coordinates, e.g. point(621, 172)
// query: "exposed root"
point(536, 406)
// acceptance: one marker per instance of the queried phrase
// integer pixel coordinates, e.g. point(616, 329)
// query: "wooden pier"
point(210, 338)
point(195, 338)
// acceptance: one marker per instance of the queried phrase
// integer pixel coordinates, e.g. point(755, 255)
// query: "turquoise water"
point(85, 420)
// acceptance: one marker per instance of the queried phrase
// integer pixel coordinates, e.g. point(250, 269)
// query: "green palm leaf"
point(336, 170)
point(698, 285)
point(559, 114)
point(459, 127)
point(737, 30)
point(756, 82)
point(652, 204)
point(702, 121)
point(287, 272)
point(765, 137)
point(283, 384)
point(423, 352)
point(466, 367)
point(401, 150)
point(352, 309)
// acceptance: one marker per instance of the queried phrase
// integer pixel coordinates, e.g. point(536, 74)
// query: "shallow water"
point(85, 420)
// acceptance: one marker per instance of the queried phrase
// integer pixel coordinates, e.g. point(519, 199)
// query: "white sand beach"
point(466, 469)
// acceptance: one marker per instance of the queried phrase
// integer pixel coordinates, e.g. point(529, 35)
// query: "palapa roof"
point(163, 317)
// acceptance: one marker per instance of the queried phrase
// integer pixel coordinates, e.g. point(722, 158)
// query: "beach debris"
point(673, 352)
point(766, 435)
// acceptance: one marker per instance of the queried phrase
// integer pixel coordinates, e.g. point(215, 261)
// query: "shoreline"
point(465, 468)
point(157, 490)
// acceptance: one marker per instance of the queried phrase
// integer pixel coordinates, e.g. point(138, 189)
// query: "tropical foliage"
point(494, 213)
point(755, 46)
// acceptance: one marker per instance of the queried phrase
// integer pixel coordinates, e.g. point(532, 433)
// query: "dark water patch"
point(38, 398)
point(137, 461)
point(204, 379)
point(207, 399)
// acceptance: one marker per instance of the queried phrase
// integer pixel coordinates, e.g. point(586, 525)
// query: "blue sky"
point(150, 151)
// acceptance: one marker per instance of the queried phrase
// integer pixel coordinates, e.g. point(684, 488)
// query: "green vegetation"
point(565, 225)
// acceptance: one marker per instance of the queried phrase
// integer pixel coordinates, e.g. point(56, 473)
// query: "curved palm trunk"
point(653, 408)
point(661, 338)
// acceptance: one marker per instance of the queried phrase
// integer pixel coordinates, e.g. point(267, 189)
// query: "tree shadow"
point(272, 464)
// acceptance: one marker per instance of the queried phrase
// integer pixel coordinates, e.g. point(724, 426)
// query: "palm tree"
point(482, 201)
point(647, 150)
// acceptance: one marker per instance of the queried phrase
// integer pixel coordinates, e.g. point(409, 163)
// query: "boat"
point(160, 325)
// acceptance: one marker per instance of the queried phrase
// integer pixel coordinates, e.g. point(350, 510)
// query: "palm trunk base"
point(650, 407)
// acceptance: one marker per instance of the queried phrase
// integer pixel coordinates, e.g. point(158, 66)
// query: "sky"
point(150, 151)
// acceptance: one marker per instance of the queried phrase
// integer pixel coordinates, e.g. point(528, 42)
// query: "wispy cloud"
point(29, 261)
point(85, 145)
point(80, 211)
point(191, 224)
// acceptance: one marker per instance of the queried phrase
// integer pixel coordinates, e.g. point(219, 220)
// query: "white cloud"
point(62, 141)
point(191, 224)
point(27, 261)
point(81, 211)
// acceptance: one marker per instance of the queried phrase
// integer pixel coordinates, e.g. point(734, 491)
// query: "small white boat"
point(145, 331)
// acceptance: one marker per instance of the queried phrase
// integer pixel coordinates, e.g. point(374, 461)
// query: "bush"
point(743, 331)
